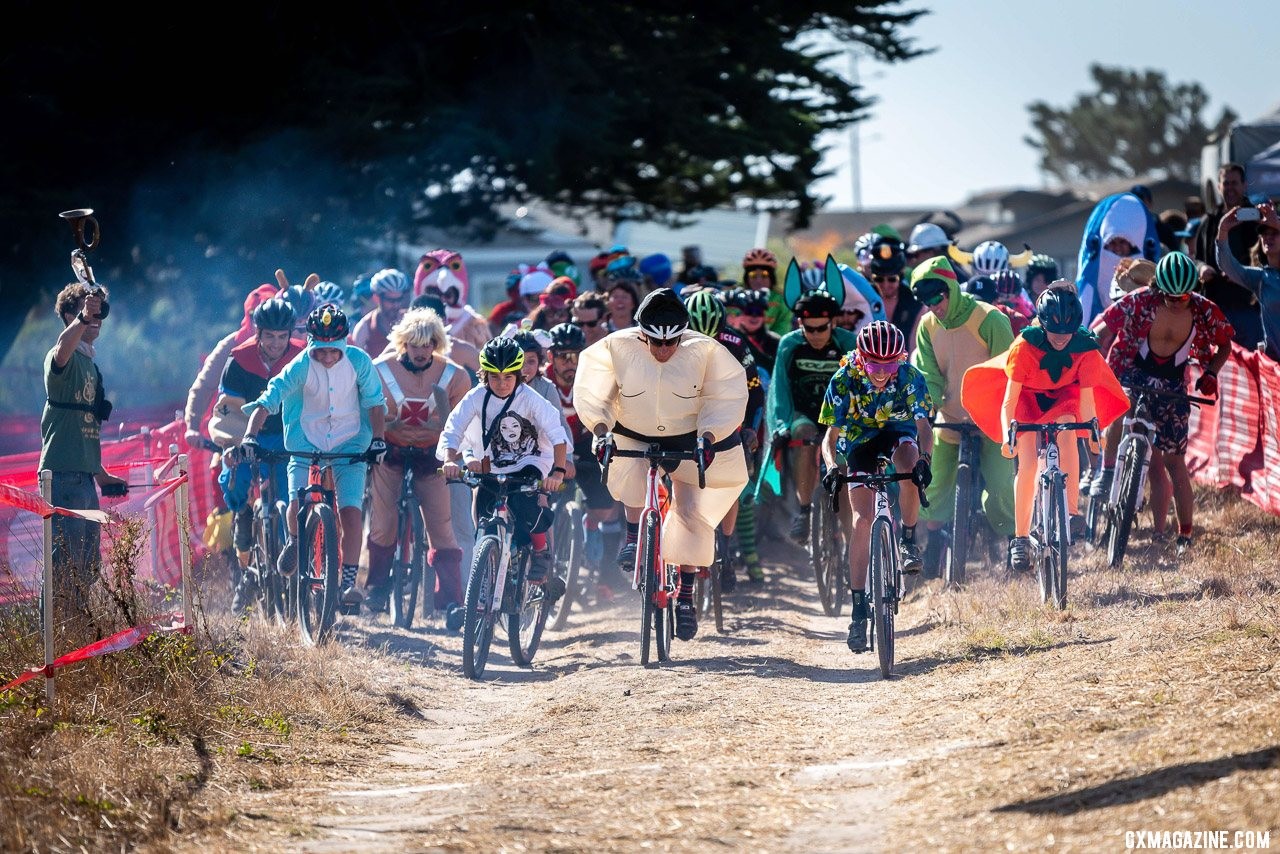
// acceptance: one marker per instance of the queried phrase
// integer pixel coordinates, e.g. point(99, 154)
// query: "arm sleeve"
point(595, 388)
point(723, 404)
point(781, 411)
point(456, 424)
point(1246, 277)
point(927, 363)
point(996, 332)
point(206, 384)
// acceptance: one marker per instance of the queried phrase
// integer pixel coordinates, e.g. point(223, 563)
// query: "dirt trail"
point(775, 737)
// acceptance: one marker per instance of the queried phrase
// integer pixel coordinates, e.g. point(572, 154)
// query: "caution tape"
point(131, 637)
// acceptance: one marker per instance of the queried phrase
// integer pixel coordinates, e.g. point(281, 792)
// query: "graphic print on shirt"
point(515, 439)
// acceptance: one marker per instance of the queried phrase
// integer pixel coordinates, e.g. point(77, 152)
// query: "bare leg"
point(1161, 490)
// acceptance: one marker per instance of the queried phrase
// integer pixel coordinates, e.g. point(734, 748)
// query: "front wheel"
point(407, 569)
point(650, 613)
point(1126, 507)
point(524, 627)
point(477, 626)
point(882, 575)
point(319, 575)
point(1053, 555)
point(958, 554)
point(567, 539)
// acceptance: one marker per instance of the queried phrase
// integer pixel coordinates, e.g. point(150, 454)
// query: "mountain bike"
point(567, 544)
point(319, 574)
point(884, 570)
point(657, 581)
point(968, 491)
point(1050, 530)
point(1133, 457)
point(499, 583)
point(707, 591)
point(410, 572)
point(826, 547)
point(277, 593)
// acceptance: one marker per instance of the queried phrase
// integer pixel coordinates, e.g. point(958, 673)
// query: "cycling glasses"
point(934, 299)
point(816, 329)
point(662, 343)
point(588, 324)
point(881, 368)
point(886, 278)
point(753, 311)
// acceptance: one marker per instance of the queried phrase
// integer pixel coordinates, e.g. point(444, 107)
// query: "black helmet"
point(981, 288)
point(327, 324)
point(528, 341)
point(662, 315)
point(888, 256)
point(1042, 265)
point(817, 304)
point(275, 313)
point(567, 337)
point(501, 356)
point(1059, 309)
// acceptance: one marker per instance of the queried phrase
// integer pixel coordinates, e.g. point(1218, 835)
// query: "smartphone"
point(1248, 215)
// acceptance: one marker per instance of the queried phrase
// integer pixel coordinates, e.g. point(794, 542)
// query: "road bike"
point(410, 573)
point(1128, 495)
point(826, 546)
point(1050, 529)
point(884, 568)
point(657, 581)
point(319, 573)
point(499, 583)
point(968, 491)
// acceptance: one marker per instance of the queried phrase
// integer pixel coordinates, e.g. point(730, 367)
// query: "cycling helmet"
point(328, 292)
point(276, 313)
point(989, 257)
point(702, 274)
point(1008, 283)
point(754, 299)
point(1059, 309)
point(816, 304)
point(501, 356)
point(706, 312)
point(1042, 265)
point(928, 235)
point(327, 324)
point(756, 258)
point(887, 257)
point(567, 337)
point(661, 315)
point(881, 341)
point(557, 256)
point(811, 276)
point(981, 288)
point(862, 247)
point(390, 282)
point(1176, 274)
point(528, 341)
point(657, 268)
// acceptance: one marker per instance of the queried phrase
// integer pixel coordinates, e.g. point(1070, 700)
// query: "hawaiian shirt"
point(1131, 316)
point(860, 411)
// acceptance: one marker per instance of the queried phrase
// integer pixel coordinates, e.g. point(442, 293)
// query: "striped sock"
point(349, 573)
point(747, 526)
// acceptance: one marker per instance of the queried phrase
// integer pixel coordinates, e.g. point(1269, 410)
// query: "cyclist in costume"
point(877, 403)
point(807, 358)
point(444, 273)
point(1149, 336)
point(1053, 372)
point(504, 427)
point(707, 315)
point(659, 382)
point(251, 366)
point(746, 311)
point(760, 273)
point(331, 401)
point(955, 333)
point(885, 260)
point(421, 386)
point(391, 293)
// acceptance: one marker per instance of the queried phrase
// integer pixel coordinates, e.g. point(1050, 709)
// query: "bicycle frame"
point(1138, 430)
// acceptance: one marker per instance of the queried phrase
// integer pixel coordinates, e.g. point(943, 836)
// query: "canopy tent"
point(1256, 144)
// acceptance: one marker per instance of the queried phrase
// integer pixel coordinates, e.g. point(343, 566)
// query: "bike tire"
point(319, 576)
point(287, 610)
point(958, 553)
point(714, 585)
point(406, 571)
point(1126, 507)
point(882, 571)
point(823, 529)
point(525, 627)
point(1053, 554)
point(275, 587)
point(650, 616)
point(478, 622)
point(568, 546)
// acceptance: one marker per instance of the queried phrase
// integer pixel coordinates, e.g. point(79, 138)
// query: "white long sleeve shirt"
point(526, 434)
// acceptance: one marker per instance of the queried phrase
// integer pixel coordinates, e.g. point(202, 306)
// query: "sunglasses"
point(886, 278)
point(587, 324)
point(754, 273)
point(933, 299)
point(565, 355)
point(662, 343)
point(816, 329)
point(749, 312)
point(881, 368)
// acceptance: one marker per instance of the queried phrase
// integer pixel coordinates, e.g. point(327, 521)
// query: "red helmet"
point(760, 258)
point(881, 341)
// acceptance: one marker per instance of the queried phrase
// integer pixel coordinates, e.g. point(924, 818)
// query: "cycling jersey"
point(801, 374)
point(246, 375)
point(736, 345)
point(861, 412)
point(764, 347)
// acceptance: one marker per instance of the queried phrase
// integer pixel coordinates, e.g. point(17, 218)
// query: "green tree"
point(1134, 123)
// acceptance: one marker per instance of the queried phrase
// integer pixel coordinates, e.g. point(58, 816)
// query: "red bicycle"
point(657, 581)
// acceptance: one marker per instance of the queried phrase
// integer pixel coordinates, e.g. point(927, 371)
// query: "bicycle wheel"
point(1053, 555)
point(406, 570)
point(524, 628)
point(568, 550)
point(318, 575)
point(1126, 507)
point(664, 620)
point(958, 554)
point(882, 574)
point(724, 556)
point(278, 603)
point(820, 550)
point(477, 626)
point(650, 618)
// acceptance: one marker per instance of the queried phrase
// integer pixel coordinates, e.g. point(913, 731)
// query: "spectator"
point(70, 445)
point(589, 316)
point(1170, 226)
point(511, 310)
point(1262, 279)
point(1236, 301)
point(621, 305)
point(690, 260)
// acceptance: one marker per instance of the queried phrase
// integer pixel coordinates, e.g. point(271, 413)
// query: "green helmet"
point(501, 356)
point(1176, 274)
point(706, 312)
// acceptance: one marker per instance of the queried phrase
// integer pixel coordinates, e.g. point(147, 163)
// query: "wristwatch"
point(559, 469)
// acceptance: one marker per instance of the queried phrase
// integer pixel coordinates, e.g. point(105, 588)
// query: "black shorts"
point(588, 476)
point(862, 458)
point(526, 511)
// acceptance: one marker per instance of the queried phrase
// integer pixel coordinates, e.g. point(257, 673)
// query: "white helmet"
point(990, 257)
point(927, 235)
point(389, 282)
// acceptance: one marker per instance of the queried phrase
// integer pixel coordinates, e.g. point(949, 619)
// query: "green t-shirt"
point(69, 438)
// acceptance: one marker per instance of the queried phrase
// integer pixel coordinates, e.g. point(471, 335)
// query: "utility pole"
point(855, 145)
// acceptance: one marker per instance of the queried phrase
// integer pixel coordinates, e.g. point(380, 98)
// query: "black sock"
point(349, 573)
point(859, 596)
point(805, 508)
point(633, 532)
point(687, 580)
point(908, 533)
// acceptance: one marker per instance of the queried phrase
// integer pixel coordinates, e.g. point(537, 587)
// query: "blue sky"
point(951, 123)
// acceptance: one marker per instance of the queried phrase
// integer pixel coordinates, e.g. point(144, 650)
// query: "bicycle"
point(968, 489)
point(410, 572)
point(319, 578)
point(826, 547)
point(884, 569)
point(1128, 485)
point(499, 581)
point(1050, 530)
point(277, 593)
point(708, 592)
point(657, 581)
point(567, 544)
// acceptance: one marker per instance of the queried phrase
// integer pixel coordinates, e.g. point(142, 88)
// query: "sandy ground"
point(1152, 704)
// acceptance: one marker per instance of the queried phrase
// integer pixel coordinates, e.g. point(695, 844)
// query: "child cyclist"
point(502, 426)
point(1053, 372)
point(877, 403)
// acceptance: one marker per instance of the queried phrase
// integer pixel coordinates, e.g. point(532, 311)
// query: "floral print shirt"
point(860, 411)
point(1130, 319)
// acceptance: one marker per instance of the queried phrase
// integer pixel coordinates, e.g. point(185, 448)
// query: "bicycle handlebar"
point(1051, 430)
point(960, 426)
point(877, 481)
point(521, 482)
point(1145, 391)
point(320, 456)
point(655, 455)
